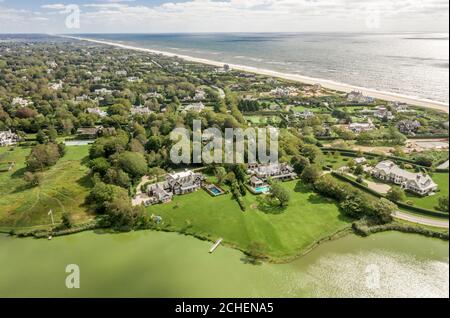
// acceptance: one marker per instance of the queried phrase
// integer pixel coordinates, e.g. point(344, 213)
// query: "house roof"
point(421, 180)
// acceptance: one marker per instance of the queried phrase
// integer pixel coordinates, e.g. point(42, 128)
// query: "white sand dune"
point(387, 96)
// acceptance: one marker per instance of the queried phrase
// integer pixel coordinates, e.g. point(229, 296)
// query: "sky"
point(160, 16)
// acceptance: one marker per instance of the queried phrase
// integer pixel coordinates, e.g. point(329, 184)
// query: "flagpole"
point(51, 215)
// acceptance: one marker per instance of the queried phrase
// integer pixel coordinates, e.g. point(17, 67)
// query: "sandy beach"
point(387, 96)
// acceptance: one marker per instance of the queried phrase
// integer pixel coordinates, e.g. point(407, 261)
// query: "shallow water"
point(154, 264)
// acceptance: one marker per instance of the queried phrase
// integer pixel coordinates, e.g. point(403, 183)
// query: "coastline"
point(341, 87)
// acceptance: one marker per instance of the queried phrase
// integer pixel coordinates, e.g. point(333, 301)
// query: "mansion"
point(419, 183)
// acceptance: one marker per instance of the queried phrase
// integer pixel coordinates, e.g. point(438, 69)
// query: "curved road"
point(421, 219)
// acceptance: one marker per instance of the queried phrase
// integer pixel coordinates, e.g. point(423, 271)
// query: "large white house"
point(419, 183)
point(8, 138)
point(358, 97)
point(358, 128)
point(276, 171)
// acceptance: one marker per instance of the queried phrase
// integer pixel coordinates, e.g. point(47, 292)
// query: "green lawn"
point(257, 120)
point(282, 233)
point(336, 162)
point(431, 202)
point(63, 189)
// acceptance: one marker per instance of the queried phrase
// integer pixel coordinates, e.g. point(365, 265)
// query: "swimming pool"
point(262, 189)
point(215, 191)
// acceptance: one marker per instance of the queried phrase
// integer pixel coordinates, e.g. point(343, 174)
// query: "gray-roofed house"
point(419, 183)
point(276, 171)
point(184, 182)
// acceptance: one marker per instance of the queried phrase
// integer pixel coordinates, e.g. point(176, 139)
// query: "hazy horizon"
point(222, 16)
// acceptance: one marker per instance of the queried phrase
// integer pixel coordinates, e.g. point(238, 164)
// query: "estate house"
point(275, 171)
point(358, 128)
point(8, 138)
point(419, 183)
point(175, 184)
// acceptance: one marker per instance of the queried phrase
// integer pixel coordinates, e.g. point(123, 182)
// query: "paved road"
point(421, 219)
point(444, 165)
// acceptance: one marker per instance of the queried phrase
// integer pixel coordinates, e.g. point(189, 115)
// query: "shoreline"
point(329, 84)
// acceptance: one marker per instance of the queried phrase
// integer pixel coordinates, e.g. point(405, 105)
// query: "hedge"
point(429, 136)
point(365, 230)
point(352, 153)
point(400, 204)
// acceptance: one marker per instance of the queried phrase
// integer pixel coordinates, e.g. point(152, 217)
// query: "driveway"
point(379, 187)
point(421, 219)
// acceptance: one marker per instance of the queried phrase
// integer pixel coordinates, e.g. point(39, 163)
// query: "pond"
point(157, 264)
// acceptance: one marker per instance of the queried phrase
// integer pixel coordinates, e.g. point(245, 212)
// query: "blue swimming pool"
point(262, 189)
point(215, 191)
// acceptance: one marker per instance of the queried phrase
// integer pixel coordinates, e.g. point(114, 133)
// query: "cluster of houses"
point(97, 111)
point(189, 181)
point(284, 92)
point(8, 138)
point(419, 183)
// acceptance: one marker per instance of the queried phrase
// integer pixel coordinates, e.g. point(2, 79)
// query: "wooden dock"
point(213, 248)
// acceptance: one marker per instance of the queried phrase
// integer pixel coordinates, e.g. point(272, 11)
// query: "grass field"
point(431, 202)
point(258, 120)
point(282, 233)
point(63, 189)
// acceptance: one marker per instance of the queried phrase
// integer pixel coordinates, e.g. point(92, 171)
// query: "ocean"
point(413, 64)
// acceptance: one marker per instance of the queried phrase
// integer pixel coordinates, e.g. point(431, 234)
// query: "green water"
point(153, 264)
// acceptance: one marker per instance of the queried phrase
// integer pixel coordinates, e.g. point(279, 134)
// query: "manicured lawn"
point(336, 162)
point(63, 189)
point(282, 233)
point(256, 120)
point(431, 202)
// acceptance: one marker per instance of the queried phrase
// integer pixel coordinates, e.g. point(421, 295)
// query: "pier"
point(213, 248)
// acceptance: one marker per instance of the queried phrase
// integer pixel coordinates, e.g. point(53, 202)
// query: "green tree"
point(280, 193)
point(133, 163)
point(66, 220)
point(299, 163)
point(33, 179)
point(443, 204)
point(42, 156)
point(359, 170)
point(220, 174)
point(356, 205)
point(312, 152)
point(383, 209)
point(396, 194)
point(310, 174)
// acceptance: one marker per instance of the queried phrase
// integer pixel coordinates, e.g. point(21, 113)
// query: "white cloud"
point(257, 15)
